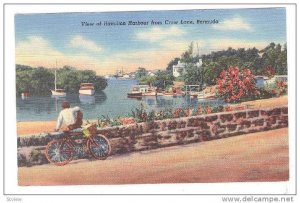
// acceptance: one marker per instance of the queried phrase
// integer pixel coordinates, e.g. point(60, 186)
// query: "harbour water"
point(112, 101)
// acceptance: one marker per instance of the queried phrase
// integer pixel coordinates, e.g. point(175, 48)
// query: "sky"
point(44, 39)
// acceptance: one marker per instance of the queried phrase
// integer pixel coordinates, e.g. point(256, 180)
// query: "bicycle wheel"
point(59, 152)
point(99, 147)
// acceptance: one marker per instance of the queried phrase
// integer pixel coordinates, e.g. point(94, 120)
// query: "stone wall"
point(169, 132)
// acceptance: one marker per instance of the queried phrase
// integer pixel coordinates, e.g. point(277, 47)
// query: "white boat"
point(143, 90)
point(87, 89)
point(58, 92)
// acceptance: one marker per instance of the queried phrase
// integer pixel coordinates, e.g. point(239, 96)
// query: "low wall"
point(169, 132)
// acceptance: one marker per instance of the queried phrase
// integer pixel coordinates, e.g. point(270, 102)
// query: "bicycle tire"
point(58, 156)
point(99, 147)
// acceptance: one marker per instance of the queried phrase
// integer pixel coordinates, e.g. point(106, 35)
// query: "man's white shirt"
point(67, 116)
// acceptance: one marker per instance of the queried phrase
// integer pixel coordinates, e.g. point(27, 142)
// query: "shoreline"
point(35, 127)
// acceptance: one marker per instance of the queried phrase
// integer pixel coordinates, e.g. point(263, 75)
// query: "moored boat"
point(87, 89)
point(25, 95)
point(143, 90)
point(57, 92)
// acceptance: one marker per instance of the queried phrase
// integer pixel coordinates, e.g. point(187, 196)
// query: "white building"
point(179, 68)
point(150, 73)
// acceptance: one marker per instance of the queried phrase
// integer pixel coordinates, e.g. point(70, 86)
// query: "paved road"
point(254, 157)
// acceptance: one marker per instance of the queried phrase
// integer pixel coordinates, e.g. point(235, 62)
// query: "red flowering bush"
point(234, 85)
point(282, 87)
point(269, 71)
point(277, 89)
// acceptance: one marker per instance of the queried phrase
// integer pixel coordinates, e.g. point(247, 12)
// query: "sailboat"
point(58, 92)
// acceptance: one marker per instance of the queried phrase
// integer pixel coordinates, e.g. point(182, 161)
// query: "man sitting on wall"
point(71, 117)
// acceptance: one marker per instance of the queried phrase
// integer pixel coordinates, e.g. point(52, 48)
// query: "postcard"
point(152, 97)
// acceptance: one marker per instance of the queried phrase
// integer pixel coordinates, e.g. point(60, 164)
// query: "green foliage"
point(139, 114)
point(187, 56)
point(141, 72)
point(39, 81)
point(147, 80)
point(171, 63)
point(253, 59)
point(211, 71)
point(163, 79)
point(193, 75)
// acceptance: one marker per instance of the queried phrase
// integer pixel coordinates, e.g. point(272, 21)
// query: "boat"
point(25, 95)
point(87, 89)
point(136, 91)
point(57, 92)
point(143, 90)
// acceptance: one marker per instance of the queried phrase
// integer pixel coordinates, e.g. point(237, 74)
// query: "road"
point(259, 156)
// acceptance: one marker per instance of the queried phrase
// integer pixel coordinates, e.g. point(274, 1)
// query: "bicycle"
point(61, 151)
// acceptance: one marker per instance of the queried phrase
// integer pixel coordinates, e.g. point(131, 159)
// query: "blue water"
point(112, 101)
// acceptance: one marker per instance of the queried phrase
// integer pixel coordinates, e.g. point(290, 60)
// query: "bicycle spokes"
point(99, 147)
point(59, 152)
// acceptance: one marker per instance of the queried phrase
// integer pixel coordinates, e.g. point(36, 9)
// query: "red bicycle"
point(61, 151)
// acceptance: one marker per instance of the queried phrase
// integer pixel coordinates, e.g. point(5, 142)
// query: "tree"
point(171, 64)
point(211, 71)
point(23, 79)
point(234, 85)
point(187, 56)
point(193, 75)
point(163, 79)
point(39, 81)
point(141, 72)
point(147, 80)
point(42, 81)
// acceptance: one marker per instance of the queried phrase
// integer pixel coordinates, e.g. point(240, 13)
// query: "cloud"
point(35, 46)
point(84, 44)
point(157, 33)
point(236, 23)
point(37, 51)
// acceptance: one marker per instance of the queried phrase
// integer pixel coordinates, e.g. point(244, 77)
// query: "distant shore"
point(36, 127)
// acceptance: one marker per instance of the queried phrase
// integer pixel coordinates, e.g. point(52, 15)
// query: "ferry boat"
point(57, 92)
point(87, 89)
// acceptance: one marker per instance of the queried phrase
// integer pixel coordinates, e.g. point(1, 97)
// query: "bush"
point(234, 85)
point(277, 89)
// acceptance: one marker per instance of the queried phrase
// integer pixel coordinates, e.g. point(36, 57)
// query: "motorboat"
point(87, 89)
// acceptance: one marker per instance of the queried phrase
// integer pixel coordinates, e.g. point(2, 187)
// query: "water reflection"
point(87, 99)
point(113, 101)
